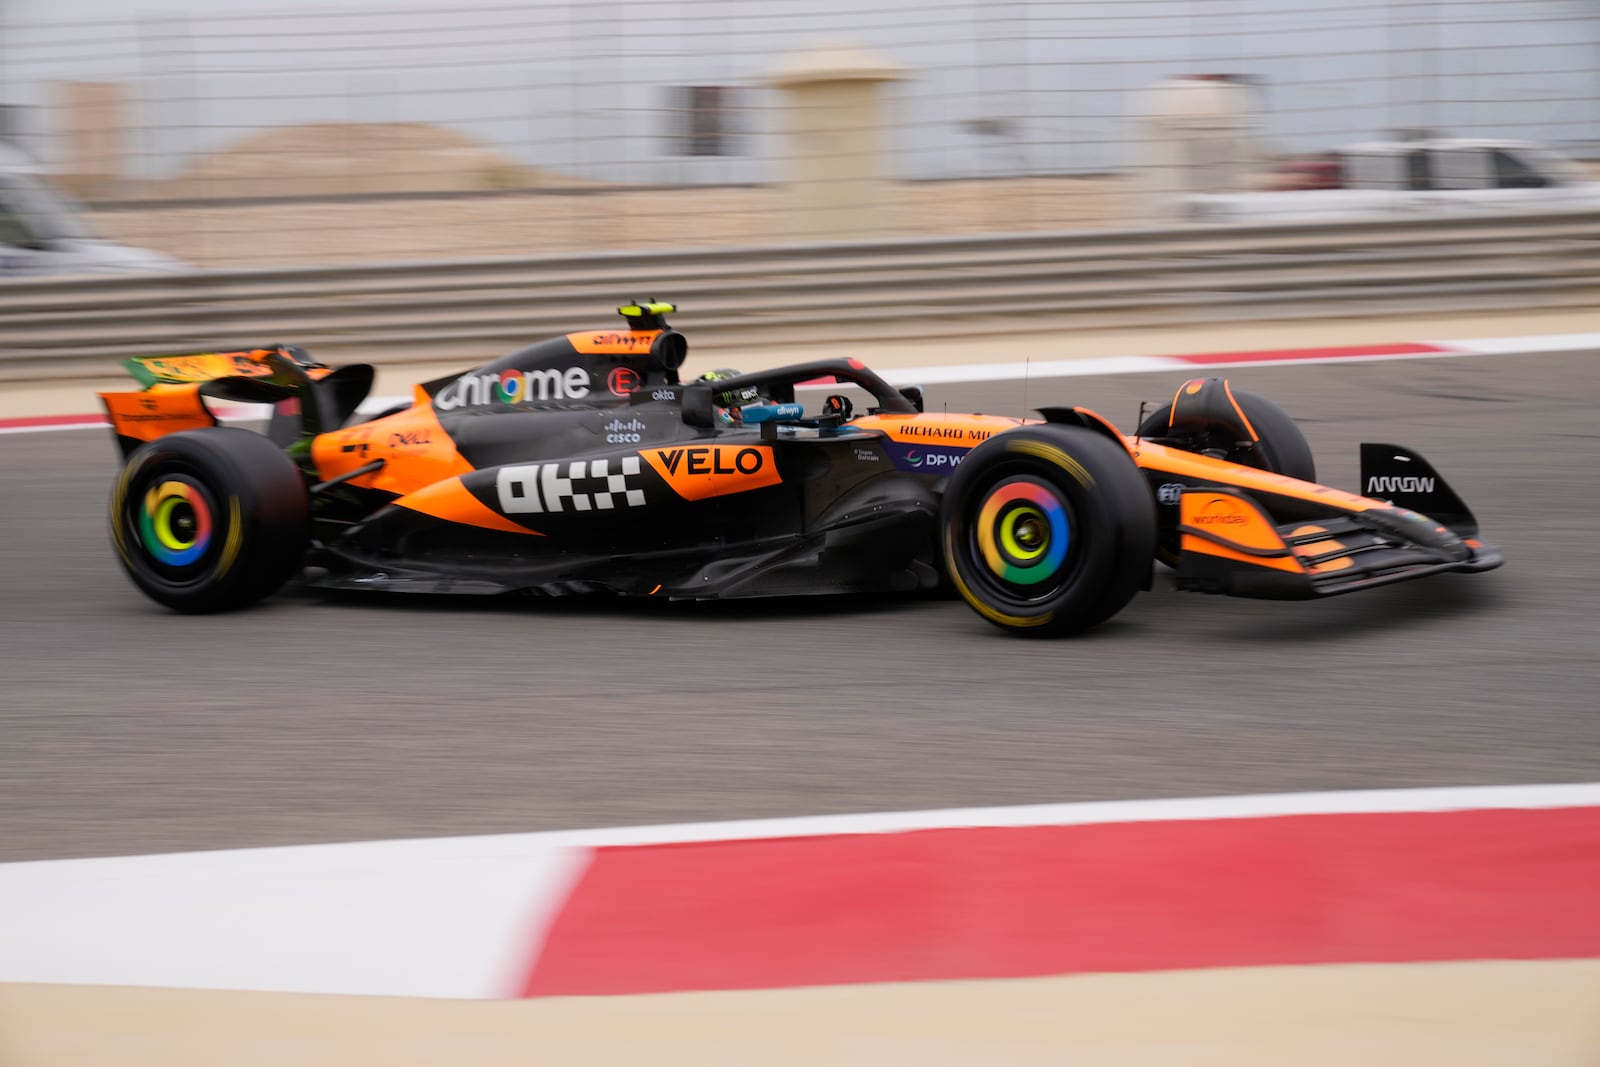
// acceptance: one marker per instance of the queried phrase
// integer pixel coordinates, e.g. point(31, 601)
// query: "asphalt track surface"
point(126, 729)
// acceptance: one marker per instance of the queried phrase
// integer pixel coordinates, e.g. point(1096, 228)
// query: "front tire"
point(1048, 530)
point(1282, 448)
point(210, 520)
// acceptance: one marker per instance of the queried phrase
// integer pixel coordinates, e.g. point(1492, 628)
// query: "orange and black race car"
point(584, 464)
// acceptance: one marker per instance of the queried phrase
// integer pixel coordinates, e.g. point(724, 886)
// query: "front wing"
point(1230, 545)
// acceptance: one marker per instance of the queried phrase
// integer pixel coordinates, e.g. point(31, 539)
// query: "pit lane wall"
point(1386, 877)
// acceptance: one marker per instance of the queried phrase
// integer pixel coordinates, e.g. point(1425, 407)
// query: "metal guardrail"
point(63, 328)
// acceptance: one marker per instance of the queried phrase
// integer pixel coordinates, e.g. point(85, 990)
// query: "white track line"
point(1075, 813)
point(1555, 342)
point(461, 917)
point(1014, 370)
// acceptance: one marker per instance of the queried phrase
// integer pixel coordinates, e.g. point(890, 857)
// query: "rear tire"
point(210, 520)
point(1048, 530)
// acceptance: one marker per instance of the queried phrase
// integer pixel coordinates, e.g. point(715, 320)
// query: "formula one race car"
point(585, 465)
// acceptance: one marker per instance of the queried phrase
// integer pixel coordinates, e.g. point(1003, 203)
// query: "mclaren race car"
point(586, 464)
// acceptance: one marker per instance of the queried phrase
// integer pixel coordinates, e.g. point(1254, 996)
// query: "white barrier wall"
point(599, 90)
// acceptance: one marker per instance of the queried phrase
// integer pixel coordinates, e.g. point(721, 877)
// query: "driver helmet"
point(728, 402)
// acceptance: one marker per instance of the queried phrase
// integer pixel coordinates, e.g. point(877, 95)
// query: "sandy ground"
point(498, 207)
point(546, 222)
point(1516, 1014)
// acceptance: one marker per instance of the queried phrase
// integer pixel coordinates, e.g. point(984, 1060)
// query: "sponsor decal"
point(355, 439)
point(514, 387)
point(622, 381)
point(712, 460)
point(664, 393)
point(579, 485)
point(204, 367)
point(1220, 511)
point(1170, 493)
point(180, 369)
point(944, 433)
point(613, 342)
point(696, 472)
point(410, 439)
point(629, 341)
point(625, 433)
point(145, 416)
point(927, 458)
point(867, 455)
point(1395, 484)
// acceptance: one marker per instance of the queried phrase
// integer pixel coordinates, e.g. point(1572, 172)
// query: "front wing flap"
point(1230, 545)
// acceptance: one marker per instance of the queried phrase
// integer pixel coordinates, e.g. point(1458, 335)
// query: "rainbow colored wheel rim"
point(175, 522)
point(1023, 531)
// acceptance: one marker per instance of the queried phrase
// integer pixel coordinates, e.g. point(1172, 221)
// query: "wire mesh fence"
point(230, 135)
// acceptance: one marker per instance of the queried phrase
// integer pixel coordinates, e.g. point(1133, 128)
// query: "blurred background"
point(917, 182)
point(226, 133)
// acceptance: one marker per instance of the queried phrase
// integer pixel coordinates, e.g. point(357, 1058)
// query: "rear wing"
point(307, 397)
point(190, 368)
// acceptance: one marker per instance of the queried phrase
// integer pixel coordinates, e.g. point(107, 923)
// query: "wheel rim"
point(174, 521)
point(1023, 537)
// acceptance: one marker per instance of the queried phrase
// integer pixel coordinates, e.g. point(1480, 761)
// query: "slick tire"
point(210, 520)
point(1048, 530)
point(1282, 449)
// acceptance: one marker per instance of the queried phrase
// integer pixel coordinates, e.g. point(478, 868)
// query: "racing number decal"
point(698, 472)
